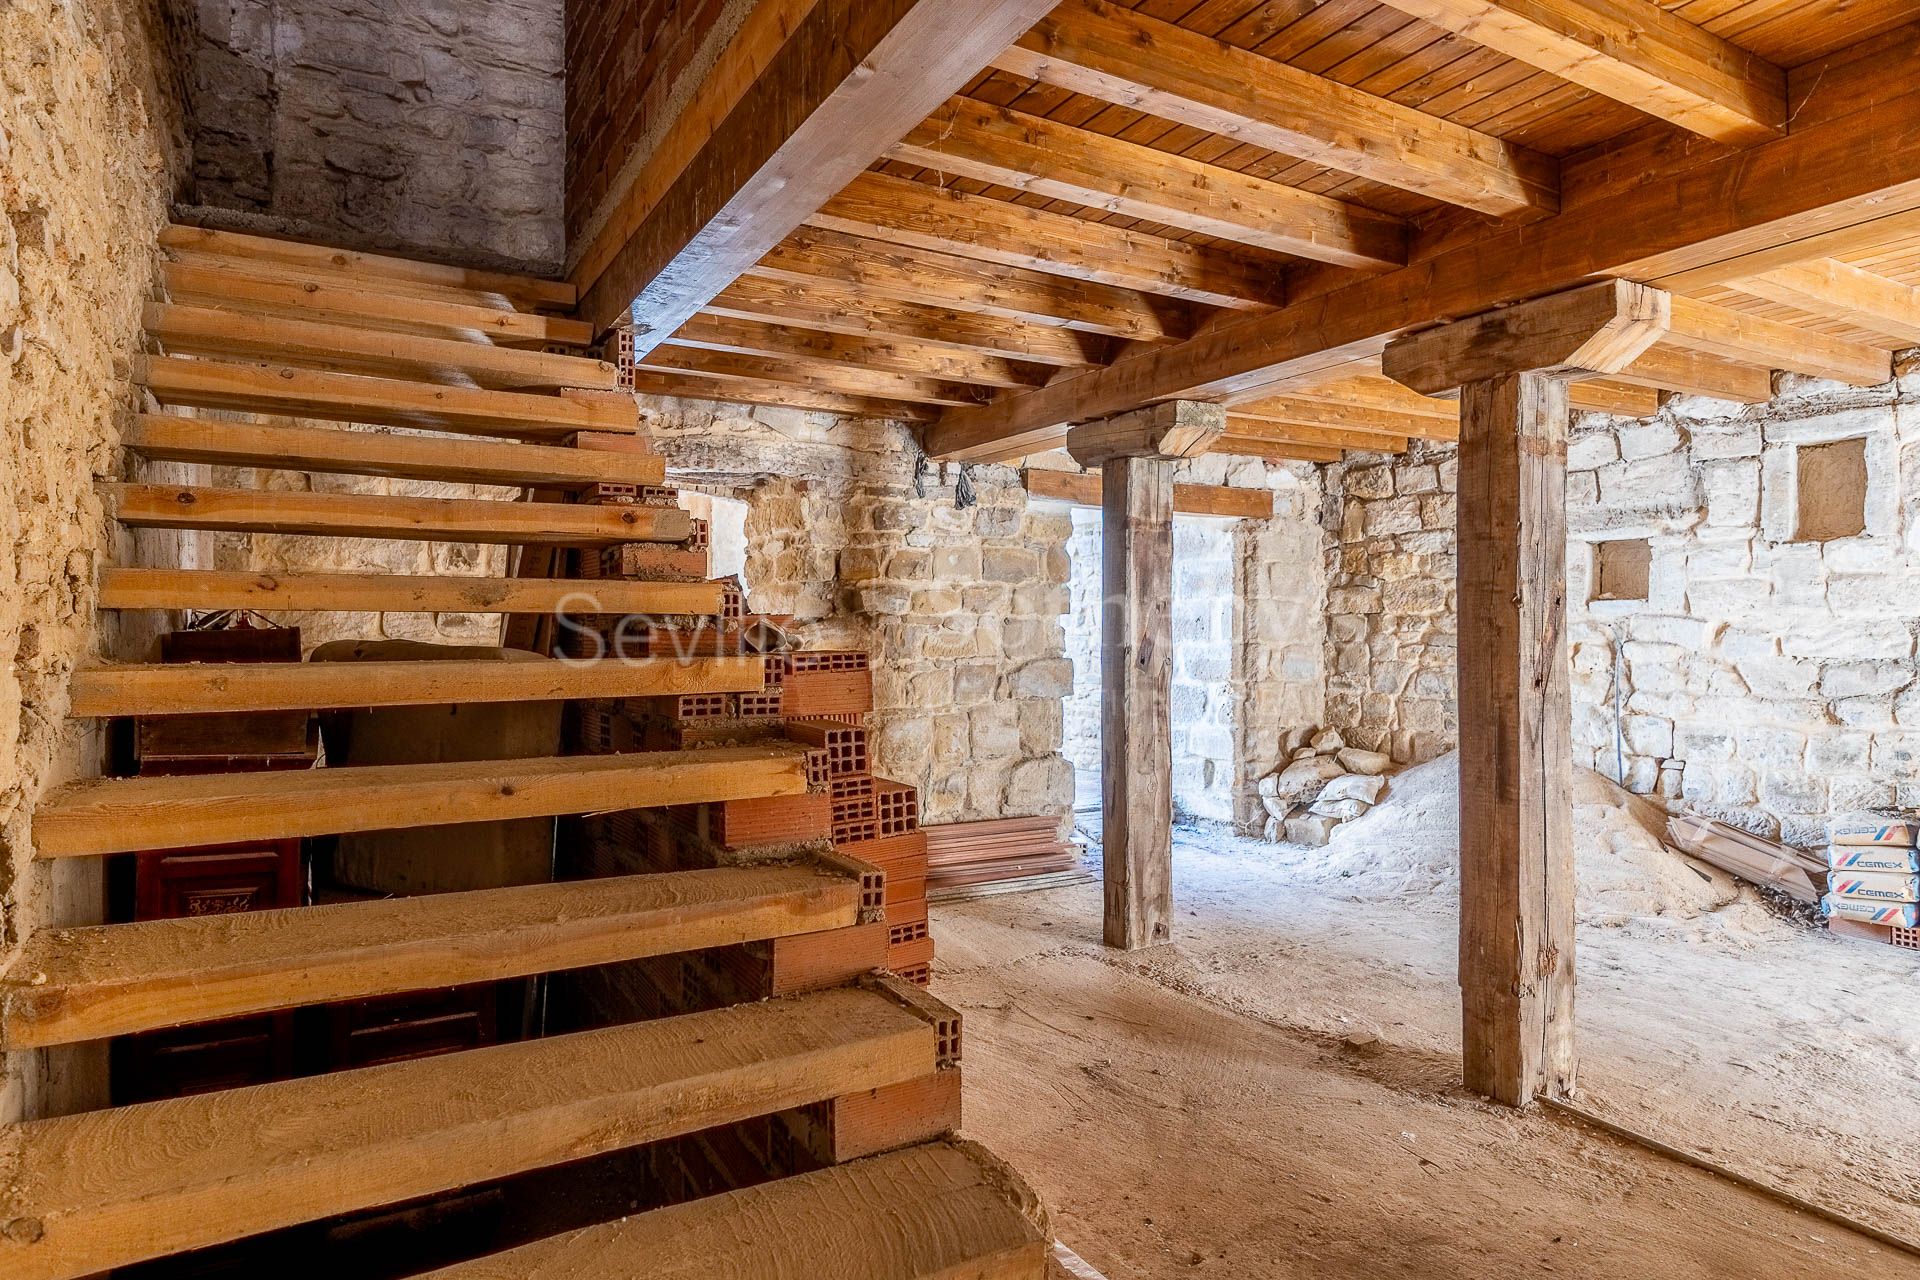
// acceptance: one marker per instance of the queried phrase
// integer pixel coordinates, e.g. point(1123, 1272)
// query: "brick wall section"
point(90, 145)
point(432, 127)
point(1765, 680)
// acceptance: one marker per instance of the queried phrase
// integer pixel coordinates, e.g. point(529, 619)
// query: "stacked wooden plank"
point(725, 1085)
point(974, 853)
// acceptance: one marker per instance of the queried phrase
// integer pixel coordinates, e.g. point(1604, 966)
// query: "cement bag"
point(1901, 915)
point(1875, 832)
point(1865, 857)
point(1882, 886)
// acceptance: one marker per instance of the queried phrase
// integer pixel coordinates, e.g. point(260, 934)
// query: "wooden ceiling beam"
point(921, 216)
point(1318, 437)
point(1838, 290)
point(843, 85)
point(1276, 451)
point(693, 386)
point(831, 307)
point(1084, 489)
point(916, 275)
point(818, 375)
point(1734, 335)
point(1632, 51)
point(893, 355)
point(1690, 213)
point(1669, 368)
point(1120, 56)
point(1009, 148)
point(1353, 419)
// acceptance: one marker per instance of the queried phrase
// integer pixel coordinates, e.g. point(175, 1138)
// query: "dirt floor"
point(1274, 1094)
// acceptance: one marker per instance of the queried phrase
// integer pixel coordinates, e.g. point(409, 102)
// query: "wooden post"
point(1136, 454)
point(1512, 368)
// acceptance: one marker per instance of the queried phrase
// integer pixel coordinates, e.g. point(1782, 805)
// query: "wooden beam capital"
point(1586, 332)
point(1171, 430)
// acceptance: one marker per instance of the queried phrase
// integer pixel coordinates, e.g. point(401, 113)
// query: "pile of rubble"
point(1324, 783)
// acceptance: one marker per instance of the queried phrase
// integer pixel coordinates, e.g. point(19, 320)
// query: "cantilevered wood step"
point(70, 985)
point(86, 1193)
point(367, 515)
point(346, 348)
point(274, 289)
point(116, 815)
point(368, 268)
point(349, 397)
point(283, 446)
point(944, 1211)
point(191, 688)
point(396, 593)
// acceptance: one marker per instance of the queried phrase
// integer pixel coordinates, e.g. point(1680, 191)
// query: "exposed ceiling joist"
point(1632, 51)
point(1009, 148)
point(848, 80)
point(921, 216)
point(893, 355)
point(1277, 451)
point(1667, 368)
point(1083, 489)
point(1120, 56)
point(1837, 290)
point(918, 275)
point(1349, 418)
point(1734, 335)
point(835, 308)
point(819, 375)
point(1318, 437)
point(689, 386)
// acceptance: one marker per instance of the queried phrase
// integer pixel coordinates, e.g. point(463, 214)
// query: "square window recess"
point(1622, 569)
point(1831, 491)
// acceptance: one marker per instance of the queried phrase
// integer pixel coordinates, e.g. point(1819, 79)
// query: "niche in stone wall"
point(1622, 569)
point(1830, 490)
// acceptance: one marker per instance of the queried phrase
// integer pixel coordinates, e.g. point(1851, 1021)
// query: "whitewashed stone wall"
point(1766, 680)
point(431, 126)
point(90, 146)
point(1082, 621)
point(960, 605)
point(1204, 701)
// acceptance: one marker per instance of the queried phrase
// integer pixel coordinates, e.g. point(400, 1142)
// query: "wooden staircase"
point(839, 1091)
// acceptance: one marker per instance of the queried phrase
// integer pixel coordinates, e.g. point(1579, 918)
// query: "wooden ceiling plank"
point(1320, 437)
point(1275, 451)
point(1033, 154)
point(847, 81)
point(893, 355)
point(821, 375)
point(1112, 53)
point(834, 308)
point(1632, 51)
point(1700, 212)
point(1346, 417)
point(1733, 335)
point(1691, 373)
point(916, 275)
point(901, 211)
point(1829, 287)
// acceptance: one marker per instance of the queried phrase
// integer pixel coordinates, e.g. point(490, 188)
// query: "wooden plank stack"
point(961, 854)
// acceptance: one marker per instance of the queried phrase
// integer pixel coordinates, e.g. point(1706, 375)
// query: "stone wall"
point(431, 127)
point(1744, 670)
point(1390, 602)
point(1249, 639)
point(89, 148)
point(959, 604)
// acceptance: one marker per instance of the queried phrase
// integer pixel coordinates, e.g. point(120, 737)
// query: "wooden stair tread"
point(367, 515)
point(235, 246)
point(280, 445)
point(70, 985)
point(942, 1211)
point(132, 588)
point(107, 1188)
point(117, 815)
point(276, 289)
point(348, 348)
point(395, 402)
point(183, 688)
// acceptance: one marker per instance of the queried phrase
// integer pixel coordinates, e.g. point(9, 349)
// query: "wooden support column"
point(1512, 368)
point(1136, 453)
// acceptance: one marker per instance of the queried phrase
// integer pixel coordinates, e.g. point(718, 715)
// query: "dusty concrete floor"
point(1198, 1107)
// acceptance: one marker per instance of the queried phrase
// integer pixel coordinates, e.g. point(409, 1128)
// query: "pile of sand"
point(1409, 847)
